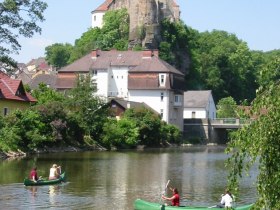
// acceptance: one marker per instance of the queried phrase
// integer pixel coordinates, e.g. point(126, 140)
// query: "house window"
point(161, 113)
point(193, 114)
point(162, 79)
point(6, 111)
point(161, 96)
point(177, 99)
point(94, 17)
point(112, 77)
point(94, 72)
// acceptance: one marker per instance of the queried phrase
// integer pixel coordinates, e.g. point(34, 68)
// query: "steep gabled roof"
point(196, 98)
point(103, 7)
point(13, 89)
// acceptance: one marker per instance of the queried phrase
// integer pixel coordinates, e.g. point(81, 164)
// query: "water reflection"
point(113, 180)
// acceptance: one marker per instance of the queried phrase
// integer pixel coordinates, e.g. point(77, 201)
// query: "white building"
point(98, 13)
point(199, 105)
point(139, 76)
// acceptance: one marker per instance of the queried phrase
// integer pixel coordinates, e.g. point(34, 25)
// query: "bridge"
point(212, 130)
point(229, 123)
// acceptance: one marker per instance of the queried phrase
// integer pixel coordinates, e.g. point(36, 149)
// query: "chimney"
point(146, 54)
point(155, 53)
point(95, 54)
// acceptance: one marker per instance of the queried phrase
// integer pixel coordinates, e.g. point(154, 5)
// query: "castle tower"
point(145, 17)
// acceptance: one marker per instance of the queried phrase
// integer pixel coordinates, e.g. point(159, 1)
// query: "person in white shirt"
point(55, 172)
point(226, 201)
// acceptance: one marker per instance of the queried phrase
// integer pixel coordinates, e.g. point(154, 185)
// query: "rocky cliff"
point(145, 16)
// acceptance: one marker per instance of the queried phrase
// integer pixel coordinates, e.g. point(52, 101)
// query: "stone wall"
point(145, 16)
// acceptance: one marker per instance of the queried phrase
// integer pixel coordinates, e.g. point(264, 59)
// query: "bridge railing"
point(230, 121)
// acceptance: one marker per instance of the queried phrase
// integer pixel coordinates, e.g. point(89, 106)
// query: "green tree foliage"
point(53, 115)
point(121, 134)
point(139, 126)
point(113, 34)
point(226, 108)
point(269, 72)
point(87, 42)
point(176, 43)
point(44, 94)
point(58, 55)
point(260, 142)
point(89, 110)
point(115, 30)
point(224, 65)
point(170, 133)
point(25, 130)
point(149, 124)
point(18, 18)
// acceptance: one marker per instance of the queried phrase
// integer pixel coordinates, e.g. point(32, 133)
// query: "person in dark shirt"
point(175, 198)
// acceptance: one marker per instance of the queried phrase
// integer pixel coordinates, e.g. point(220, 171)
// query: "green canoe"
point(144, 205)
point(28, 182)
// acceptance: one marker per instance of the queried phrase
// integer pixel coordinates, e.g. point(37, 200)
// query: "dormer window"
point(162, 78)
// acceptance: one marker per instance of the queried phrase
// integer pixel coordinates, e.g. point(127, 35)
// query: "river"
point(113, 180)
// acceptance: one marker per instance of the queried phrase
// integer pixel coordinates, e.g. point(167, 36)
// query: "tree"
point(87, 42)
point(223, 63)
point(226, 108)
point(259, 142)
point(176, 43)
point(148, 123)
point(86, 108)
point(269, 72)
point(18, 17)
point(44, 94)
point(115, 30)
point(58, 55)
point(121, 134)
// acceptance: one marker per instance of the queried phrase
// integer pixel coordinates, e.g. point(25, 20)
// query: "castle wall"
point(146, 15)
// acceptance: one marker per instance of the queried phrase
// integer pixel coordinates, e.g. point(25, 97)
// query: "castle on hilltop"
point(144, 15)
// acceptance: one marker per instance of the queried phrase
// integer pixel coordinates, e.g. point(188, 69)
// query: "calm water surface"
point(113, 180)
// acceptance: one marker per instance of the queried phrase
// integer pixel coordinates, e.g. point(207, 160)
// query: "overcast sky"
point(253, 21)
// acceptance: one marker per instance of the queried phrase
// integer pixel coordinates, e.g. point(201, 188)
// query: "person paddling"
point(175, 198)
point(55, 172)
point(33, 174)
point(226, 201)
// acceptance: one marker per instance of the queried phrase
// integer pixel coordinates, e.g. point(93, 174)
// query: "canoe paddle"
point(164, 192)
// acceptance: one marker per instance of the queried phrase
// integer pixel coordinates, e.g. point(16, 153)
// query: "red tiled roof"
point(104, 7)
point(13, 89)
